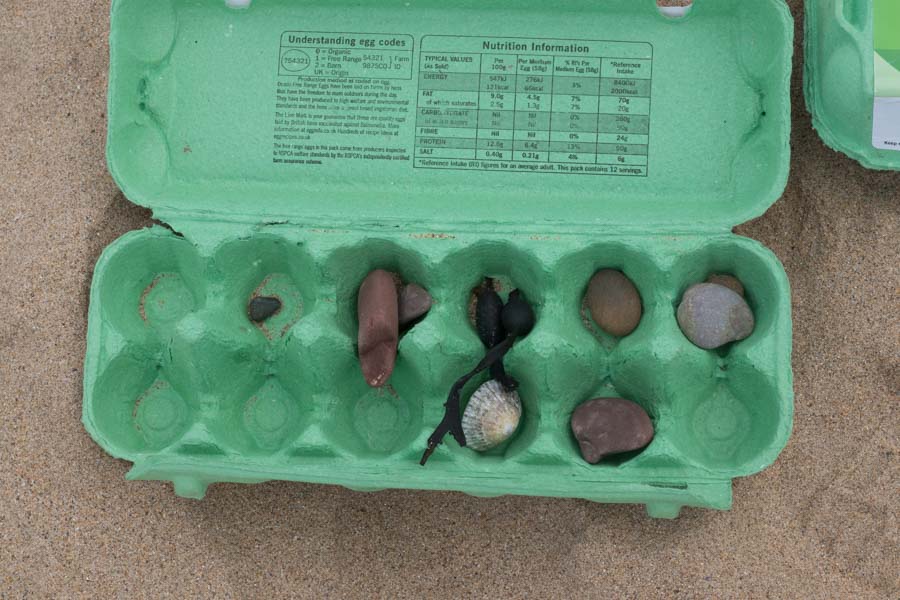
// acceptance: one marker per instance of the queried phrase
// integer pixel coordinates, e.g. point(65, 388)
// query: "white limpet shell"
point(491, 416)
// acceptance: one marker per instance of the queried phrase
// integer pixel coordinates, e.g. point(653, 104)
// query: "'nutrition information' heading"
point(536, 47)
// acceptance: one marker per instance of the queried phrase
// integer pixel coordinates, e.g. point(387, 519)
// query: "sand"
point(819, 523)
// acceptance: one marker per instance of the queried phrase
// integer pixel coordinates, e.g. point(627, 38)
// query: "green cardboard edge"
point(838, 79)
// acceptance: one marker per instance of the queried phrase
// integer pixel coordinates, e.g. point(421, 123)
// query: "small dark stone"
point(517, 316)
point(607, 426)
point(712, 315)
point(614, 302)
point(263, 307)
point(729, 281)
point(414, 301)
point(379, 329)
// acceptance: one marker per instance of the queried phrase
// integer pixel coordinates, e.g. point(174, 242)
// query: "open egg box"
point(852, 77)
point(292, 162)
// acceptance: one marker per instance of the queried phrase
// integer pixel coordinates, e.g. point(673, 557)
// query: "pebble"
point(614, 302)
point(712, 315)
point(379, 329)
point(607, 426)
point(729, 281)
point(261, 308)
point(415, 301)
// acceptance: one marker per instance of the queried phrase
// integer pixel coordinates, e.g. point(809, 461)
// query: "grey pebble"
point(414, 302)
point(712, 315)
point(261, 308)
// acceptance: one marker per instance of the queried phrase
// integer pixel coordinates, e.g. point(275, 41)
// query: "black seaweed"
point(516, 319)
point(489, 325)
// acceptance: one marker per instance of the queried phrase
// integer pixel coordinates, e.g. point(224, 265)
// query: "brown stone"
point(729, 281)
point(614, 302)
point(379, 329)
point(607, 426)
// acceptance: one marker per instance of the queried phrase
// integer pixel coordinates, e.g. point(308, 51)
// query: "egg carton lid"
point(491, 115)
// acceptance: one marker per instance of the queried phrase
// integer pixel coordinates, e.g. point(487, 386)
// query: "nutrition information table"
point(526, 104)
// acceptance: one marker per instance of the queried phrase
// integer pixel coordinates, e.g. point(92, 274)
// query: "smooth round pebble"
point(712, 315)
point(607, 426)
point(614, 302)
point(729, 281)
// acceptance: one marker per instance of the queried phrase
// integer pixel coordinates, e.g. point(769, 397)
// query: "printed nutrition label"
point(463, 102)
point(524, 104)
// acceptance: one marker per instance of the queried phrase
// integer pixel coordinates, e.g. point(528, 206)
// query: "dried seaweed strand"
point(489, 325)
point(452, 421)
point(518, 320)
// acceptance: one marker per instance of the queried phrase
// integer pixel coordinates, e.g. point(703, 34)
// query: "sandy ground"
point(822, 522)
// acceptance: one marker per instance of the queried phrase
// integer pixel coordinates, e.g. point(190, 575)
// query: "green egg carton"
point(842, 84)
point(293, 146)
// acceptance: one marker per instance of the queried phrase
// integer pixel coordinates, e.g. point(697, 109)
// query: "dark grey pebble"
point(414, 302)
point(263, 307)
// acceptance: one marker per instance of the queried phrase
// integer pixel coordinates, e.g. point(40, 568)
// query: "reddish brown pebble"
point(729, 281)
point(614, 302)
point(415, 301)
point(379, 330)
point(607, 426)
